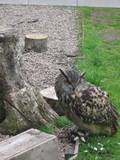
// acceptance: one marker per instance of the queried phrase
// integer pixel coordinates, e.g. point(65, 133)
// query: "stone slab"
point(89, 3)
point(53, 2)
point(13, 1)
point(30, 145)
point(100, 3)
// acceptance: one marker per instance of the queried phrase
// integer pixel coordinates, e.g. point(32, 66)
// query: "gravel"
point(4, 137)
point(59, 24)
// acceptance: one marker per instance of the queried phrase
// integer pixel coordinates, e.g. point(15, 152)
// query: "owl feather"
point(88, 106)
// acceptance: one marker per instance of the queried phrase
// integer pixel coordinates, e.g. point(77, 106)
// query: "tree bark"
point(36, 42)
point(22, 106)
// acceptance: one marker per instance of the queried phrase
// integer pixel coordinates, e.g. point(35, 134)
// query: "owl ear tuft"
point(66, 77)
point(63, 73)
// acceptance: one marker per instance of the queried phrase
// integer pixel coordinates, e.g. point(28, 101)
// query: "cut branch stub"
point(52, 99)
point(36, 42)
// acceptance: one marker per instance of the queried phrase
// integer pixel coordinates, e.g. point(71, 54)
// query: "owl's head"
point(66, 83)
point(72, 77)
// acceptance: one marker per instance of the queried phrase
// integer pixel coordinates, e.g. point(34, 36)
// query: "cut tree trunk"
point(21, 105)
point(36, 42)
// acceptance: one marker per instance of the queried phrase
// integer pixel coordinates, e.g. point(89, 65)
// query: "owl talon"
point(74, 132)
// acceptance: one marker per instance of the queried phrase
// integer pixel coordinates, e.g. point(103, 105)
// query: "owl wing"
point(92, 105)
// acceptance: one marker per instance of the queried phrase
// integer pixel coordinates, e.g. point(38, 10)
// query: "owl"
point(85, 104)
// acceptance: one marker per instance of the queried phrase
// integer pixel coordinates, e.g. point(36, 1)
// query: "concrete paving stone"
point(30, 145)
point(91, 3)
point(13, 1)
point(100, 3)
point(53, 2)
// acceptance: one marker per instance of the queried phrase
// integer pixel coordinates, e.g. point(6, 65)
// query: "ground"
point(58, 23)
point(99, 46)
point(100, 49)
point(99, 56)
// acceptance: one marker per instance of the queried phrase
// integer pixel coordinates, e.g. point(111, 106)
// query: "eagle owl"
point(85, 104)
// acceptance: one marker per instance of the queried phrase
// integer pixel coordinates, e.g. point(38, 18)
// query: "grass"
point(102, 66)
point(101, 61)
point(61, 122)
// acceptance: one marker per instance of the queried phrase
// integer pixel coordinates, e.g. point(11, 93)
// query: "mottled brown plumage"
point(85, 104)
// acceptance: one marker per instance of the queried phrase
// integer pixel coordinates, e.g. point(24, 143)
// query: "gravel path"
point(59, 24)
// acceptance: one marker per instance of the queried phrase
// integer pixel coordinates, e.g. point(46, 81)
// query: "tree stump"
point(22, 105)
point(36, 42)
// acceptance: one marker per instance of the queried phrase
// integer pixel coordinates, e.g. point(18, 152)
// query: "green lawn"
point(61, 122)
point(99, 56)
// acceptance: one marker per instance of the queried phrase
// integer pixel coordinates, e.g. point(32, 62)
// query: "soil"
point(59, 24)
